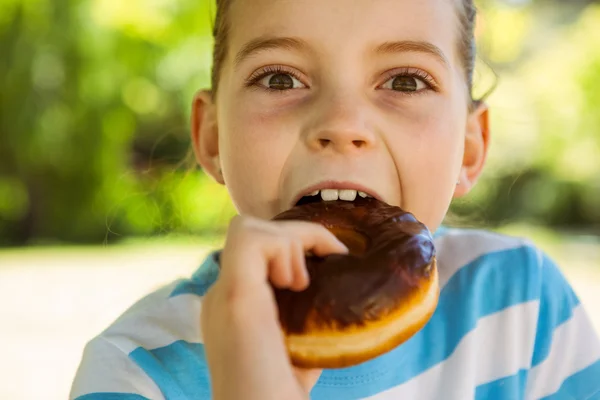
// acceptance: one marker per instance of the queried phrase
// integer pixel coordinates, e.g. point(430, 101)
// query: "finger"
point(253, 250)
point(256, 252)
point(280, 266)
point(315, 238)
point(300, 277)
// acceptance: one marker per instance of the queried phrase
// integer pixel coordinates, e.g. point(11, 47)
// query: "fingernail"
point(343, 246)
point(306, 282)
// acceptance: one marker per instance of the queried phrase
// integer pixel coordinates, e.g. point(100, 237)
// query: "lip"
point(335, 185)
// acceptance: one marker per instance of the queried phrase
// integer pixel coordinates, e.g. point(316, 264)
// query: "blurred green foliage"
point(95, 97)
point(544, 166)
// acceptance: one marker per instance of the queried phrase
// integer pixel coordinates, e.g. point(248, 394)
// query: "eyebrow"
point(266, 43)
point(290, 43)
point(408, 46)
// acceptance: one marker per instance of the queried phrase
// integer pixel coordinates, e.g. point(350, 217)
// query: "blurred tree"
point(93, 111)
point(94, 117)
point(544, 163)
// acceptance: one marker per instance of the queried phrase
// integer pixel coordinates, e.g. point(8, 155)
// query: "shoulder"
point(169, 314)
point(164, 327)
point(475, 253)
point(461, 246)
point(158, 340)
point(510, 280)
point(516, 261)
point(493, 273)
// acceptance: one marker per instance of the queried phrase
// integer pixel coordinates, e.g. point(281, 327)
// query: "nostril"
point(358, 143)
point(324, 142)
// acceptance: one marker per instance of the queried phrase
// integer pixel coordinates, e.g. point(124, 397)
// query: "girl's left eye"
point(406, 83)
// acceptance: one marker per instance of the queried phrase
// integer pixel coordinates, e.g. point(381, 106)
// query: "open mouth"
point(332, 195)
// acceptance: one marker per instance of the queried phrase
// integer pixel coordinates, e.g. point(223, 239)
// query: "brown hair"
point(466, 12)
point(220, 34)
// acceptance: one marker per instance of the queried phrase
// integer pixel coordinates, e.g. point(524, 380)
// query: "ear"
point(205, 135)
point(477, 140)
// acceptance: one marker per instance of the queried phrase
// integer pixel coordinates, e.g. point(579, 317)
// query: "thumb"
point(307, 377)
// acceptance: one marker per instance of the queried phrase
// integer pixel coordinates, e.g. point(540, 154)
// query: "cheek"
point(259, 134)
point(254, 146)
point(428, 157)
point(258, 119)
point(427, 140)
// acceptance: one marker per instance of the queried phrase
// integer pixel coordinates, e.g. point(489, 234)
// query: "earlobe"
point(477, 138)
point(205, 135)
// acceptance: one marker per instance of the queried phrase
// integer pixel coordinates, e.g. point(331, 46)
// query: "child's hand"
point(244, 345)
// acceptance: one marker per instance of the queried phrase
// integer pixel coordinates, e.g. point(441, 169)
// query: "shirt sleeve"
point(566, 357)
point(107, 373)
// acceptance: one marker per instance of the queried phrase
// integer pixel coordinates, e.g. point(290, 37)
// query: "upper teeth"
point(342, 194)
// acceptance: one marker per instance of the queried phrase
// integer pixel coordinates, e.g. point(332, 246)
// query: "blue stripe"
point(511, 387)
point(202, 279)
point(179, 369)
point(192, 287)
point(441, 231)
point(557, 301)
point(583, 385)
point(111, 396)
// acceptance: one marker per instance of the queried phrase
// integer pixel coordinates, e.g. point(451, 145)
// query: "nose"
point(341, 126)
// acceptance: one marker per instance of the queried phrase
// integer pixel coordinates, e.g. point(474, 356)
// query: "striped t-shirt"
point(507, 326)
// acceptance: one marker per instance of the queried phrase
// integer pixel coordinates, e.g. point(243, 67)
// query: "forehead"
point(346, 24)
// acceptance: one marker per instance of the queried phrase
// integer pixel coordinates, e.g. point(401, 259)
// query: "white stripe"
point(459, 247)
point(148, 302)
point(482, 356)
point(172, 319)
point(574, 347)
point(105, 368)
point(507, 350)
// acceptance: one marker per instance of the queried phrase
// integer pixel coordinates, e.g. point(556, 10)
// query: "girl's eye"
point(405, 83)
point(280, 81)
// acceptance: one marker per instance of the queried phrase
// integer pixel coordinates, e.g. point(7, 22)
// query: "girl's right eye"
point(276, 78)
point(280, 81)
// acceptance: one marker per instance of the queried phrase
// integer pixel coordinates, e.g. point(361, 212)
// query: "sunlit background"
point(99, 202)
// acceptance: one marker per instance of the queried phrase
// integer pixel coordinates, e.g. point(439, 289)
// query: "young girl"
point(343, 96)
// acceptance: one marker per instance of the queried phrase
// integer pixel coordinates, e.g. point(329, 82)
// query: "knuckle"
point(322, 229)
point(232, 293)
point(249, 227)
point(242, 231)
point(229, 304)
point(237, 224)
point(235, 221)
point(227, 292)
point(293, 224)
point(237, 299)
point(243, 222)
point(296, 244)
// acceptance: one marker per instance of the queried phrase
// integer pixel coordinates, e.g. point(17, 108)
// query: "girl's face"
point(360, 93)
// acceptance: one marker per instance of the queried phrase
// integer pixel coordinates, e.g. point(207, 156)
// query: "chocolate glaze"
point(356, 288)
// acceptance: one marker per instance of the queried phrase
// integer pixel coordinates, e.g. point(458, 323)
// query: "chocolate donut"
point(365, 303)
